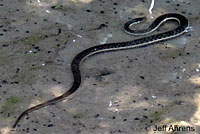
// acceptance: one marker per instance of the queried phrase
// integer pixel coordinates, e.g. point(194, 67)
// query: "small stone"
point(50, 125)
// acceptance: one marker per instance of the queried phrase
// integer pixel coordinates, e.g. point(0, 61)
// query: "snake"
point(182, 28)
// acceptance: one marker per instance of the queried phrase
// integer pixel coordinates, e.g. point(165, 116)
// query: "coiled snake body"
point(182, 28)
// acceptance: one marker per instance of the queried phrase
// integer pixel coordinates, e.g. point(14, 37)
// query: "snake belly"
point(75, 64)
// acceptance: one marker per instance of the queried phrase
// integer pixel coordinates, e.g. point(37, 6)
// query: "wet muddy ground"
point(123, 92)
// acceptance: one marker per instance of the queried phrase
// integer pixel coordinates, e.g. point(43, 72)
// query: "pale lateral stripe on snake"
point(182, 28)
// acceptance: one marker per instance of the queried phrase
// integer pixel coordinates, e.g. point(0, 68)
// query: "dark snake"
point(179, 30)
